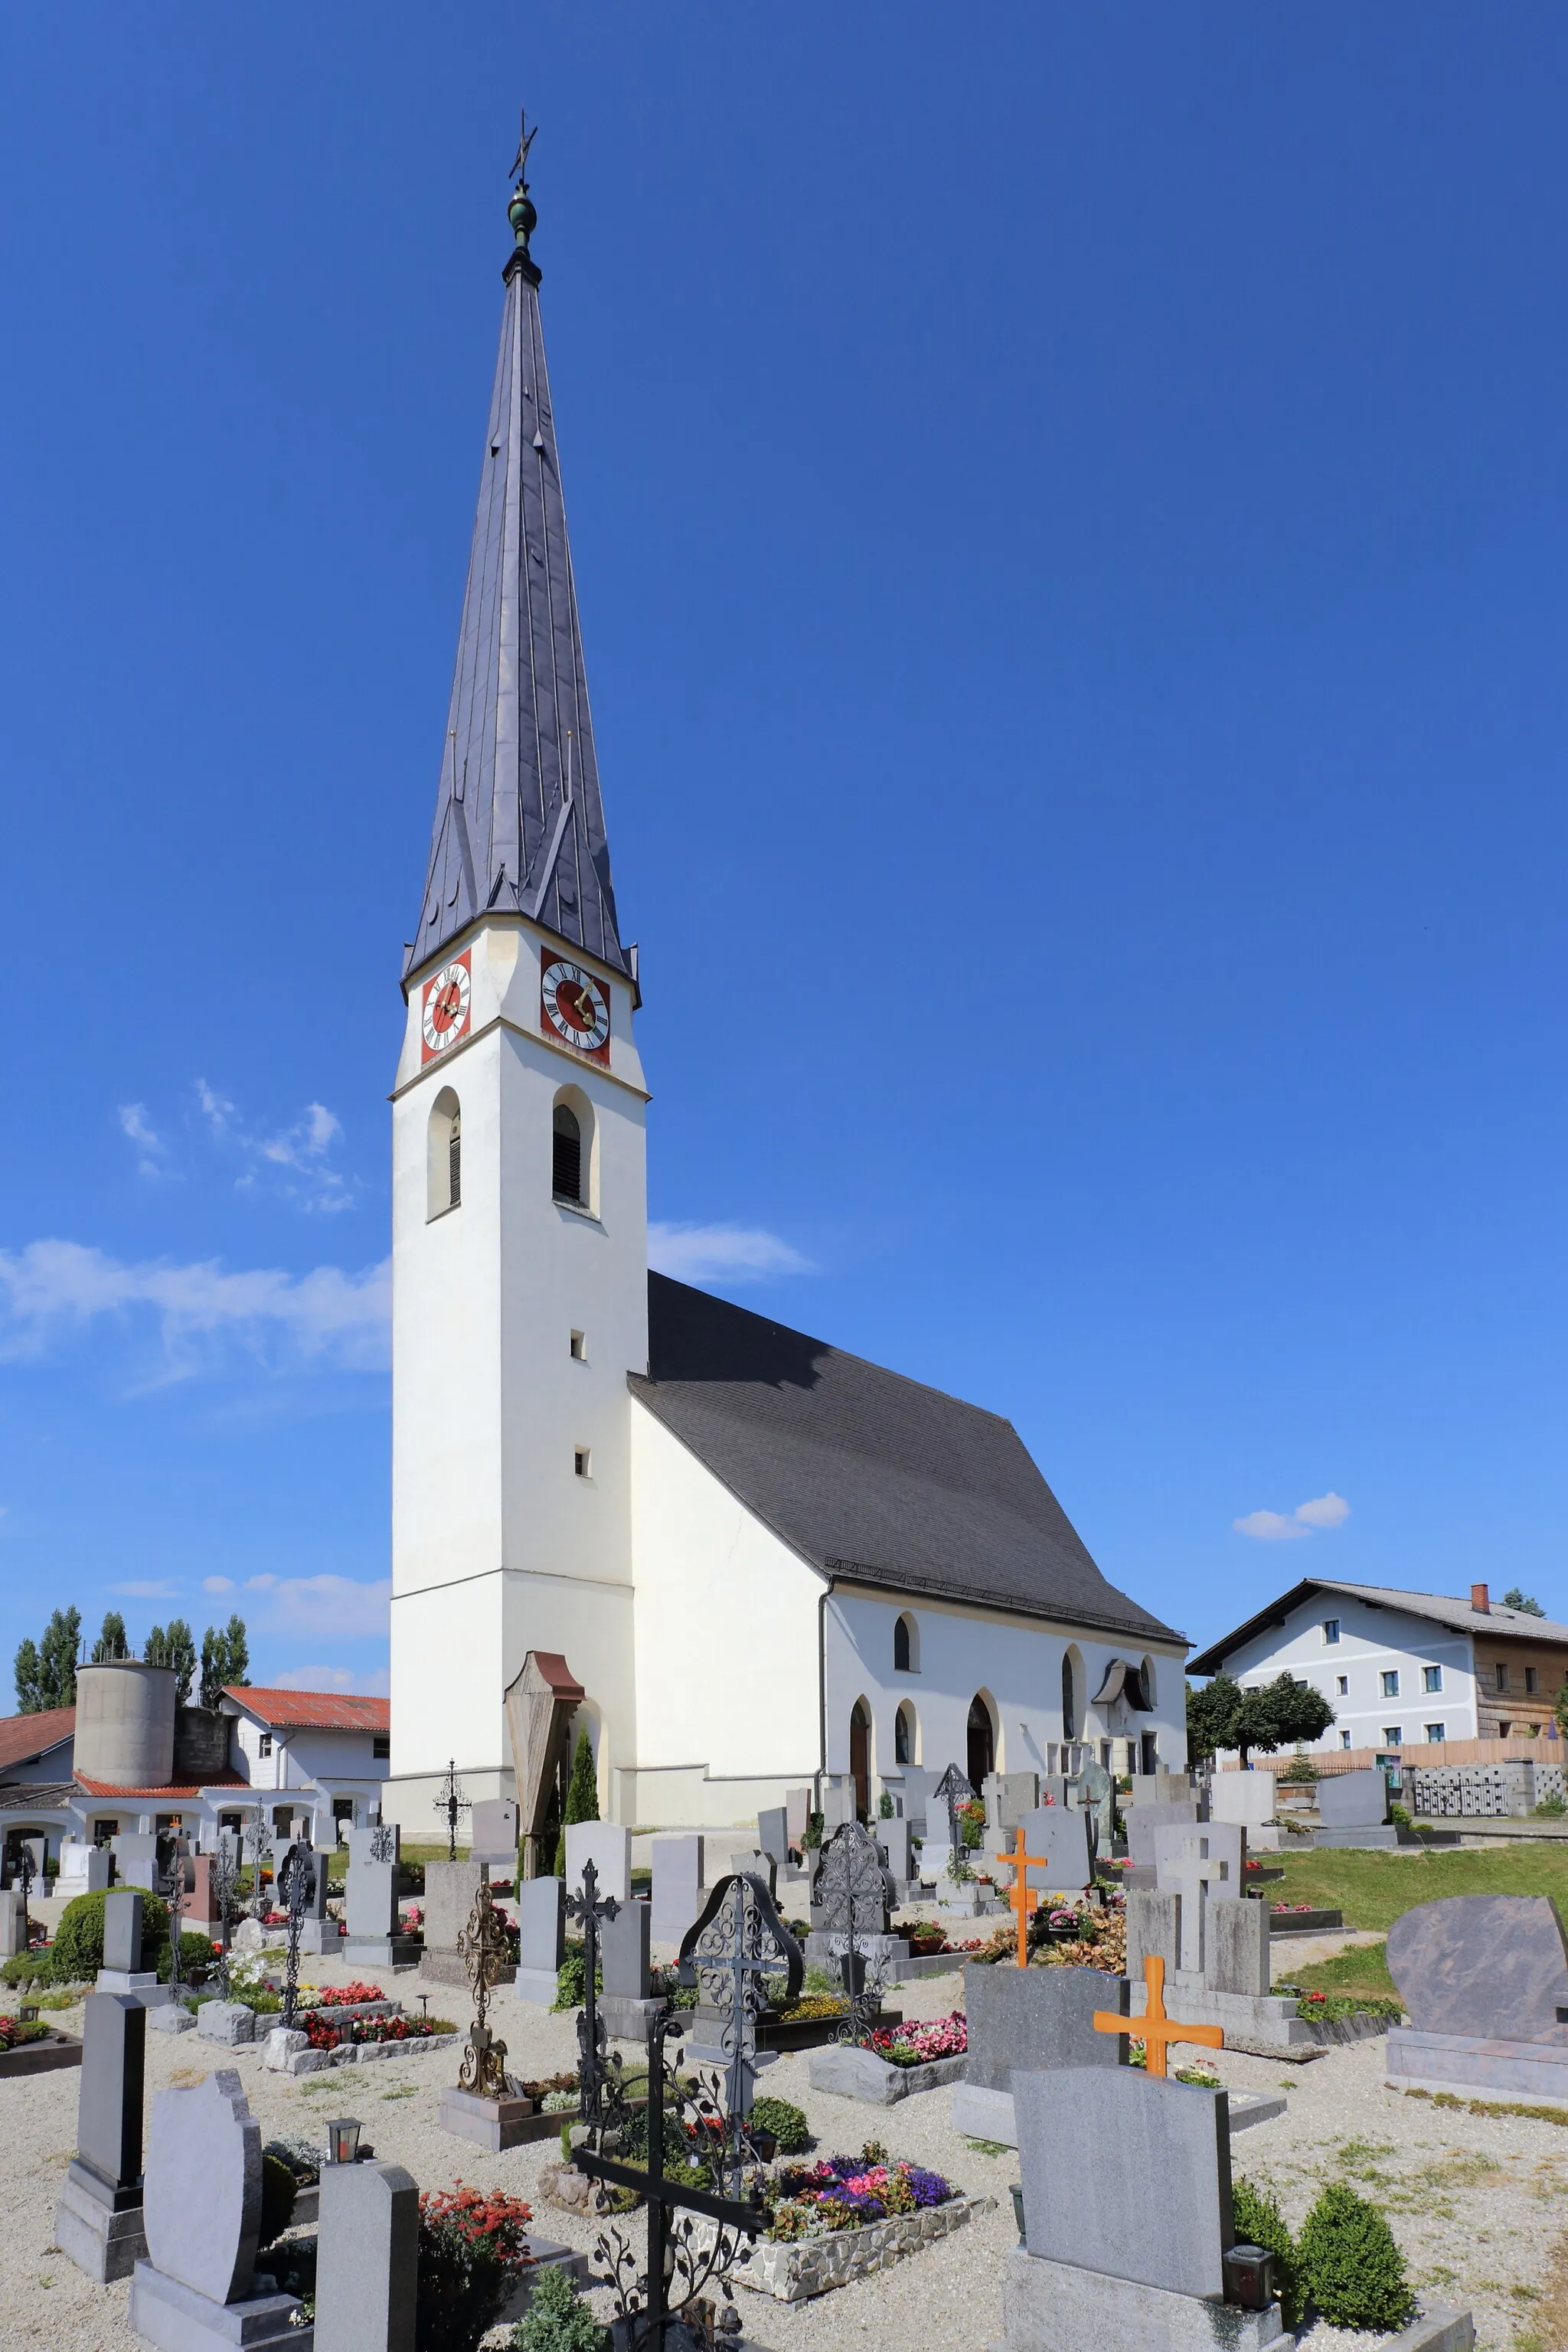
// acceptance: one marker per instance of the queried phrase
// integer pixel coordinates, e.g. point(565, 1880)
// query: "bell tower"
point(520, 1219)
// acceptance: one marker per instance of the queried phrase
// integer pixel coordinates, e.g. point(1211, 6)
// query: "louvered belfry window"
point(566, 1169)
point(455, 1162)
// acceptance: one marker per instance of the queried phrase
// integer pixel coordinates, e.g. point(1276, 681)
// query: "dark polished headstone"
point(1486, 1965)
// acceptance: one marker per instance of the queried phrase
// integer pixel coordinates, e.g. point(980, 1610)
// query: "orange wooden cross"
point(1023, 1899)
point(1154, 2028)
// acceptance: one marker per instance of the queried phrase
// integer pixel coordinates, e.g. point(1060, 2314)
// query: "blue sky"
point(1070, 517)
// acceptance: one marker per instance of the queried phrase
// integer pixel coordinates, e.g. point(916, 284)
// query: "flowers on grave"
point(972, 1824)
point(413, 1915)
point(14, 2033)
point(851, 2192)
point(473, 2248)
point(922, 2040)
point(322, 2036)
point(347, 1996)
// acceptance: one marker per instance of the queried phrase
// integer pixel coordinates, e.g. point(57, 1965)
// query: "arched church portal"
point(982, 1740)
point(861, 1757)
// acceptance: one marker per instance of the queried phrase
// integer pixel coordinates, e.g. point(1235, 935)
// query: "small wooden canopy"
point(540, 1704)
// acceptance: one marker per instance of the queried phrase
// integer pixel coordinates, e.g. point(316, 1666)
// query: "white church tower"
point(519, 1245)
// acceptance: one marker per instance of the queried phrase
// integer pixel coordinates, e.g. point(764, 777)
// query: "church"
point(741, 1558)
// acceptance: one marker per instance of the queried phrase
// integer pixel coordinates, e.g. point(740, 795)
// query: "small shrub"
point(1400, 1816)
point(1552, 1807)
point(1351, 2267)
point(557, 2320)
point(785, 2121)
point(278, 2190)
point(1259, 2222)
point(77, 1953)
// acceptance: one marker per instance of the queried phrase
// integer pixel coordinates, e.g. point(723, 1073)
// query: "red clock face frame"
point(574, 1007)
point(445, 1005)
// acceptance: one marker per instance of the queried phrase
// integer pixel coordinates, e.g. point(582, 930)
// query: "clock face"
point(575, 1007)
point(444, 1010)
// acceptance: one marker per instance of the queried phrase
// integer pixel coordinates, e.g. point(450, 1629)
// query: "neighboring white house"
point(315, 1755)
point(1403, 1669)
point(763, 1560)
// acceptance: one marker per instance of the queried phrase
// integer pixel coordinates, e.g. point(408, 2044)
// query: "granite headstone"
point(610, 1847)
point(367, 2259)
point(1350, 1801)
point(678, 1880)
point(541, 1938)
point(99, 2221)
point(1488, 1965)
point(1144, 1820)
point(1059, 1835)
point(493, 1830)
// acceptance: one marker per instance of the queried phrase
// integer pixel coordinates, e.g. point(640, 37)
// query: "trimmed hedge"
point(76, 1954)
point(1351, 2266)
point(1257, 2221)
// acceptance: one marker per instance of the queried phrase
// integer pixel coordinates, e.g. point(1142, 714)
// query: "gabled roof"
point(519, 823)
point(296, 1710)
point(36, 1796)
point(25, 1736)
point(1438, 1608)
point(867, 1475)
point(227, 1778)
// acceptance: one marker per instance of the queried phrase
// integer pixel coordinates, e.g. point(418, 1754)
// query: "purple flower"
point(930, 2187)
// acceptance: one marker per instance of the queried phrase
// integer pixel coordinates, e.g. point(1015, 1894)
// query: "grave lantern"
point(1249, 2277)
point(342, 2140)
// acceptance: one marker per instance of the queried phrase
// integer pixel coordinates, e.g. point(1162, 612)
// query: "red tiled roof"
point(22, 1736)
point(312, 1710)
point(101, 1789)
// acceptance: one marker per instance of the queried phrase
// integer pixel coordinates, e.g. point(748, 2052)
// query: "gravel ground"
point(1477, 2202)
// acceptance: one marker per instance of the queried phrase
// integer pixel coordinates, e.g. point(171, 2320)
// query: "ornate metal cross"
point(598, 2081)
point(1154, 2028)
point(484, 1949)
point(26, 1871)
point(1023, 1898)
point(260, 1847)
point(954, 1788)
point(297, 1873)
point(449, 1803)
point(176, 1912)
point(225, 1880)
point(852, 1885)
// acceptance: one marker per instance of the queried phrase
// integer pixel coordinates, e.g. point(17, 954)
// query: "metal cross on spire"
point(525, 139)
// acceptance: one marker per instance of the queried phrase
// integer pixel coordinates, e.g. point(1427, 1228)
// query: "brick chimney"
point(1481, 1599)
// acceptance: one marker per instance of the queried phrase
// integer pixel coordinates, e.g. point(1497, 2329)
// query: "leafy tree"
point(1526, 1602)
point(581, 1796)
point(226, 1659)
point(53, 1663)
point(175, 1646)
point(1225, 1716)
point(28, 1672)
point(111, 1642)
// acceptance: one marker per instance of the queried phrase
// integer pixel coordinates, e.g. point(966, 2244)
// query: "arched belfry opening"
point(566, 1154)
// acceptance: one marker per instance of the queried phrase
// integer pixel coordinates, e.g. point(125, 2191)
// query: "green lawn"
point(1372, 1889)
point(1362, 1971)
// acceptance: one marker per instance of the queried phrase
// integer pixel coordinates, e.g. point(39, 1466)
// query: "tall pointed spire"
point(520, 828)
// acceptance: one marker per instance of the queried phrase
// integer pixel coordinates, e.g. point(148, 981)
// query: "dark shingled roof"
point(868, 1475)
point(519, 825)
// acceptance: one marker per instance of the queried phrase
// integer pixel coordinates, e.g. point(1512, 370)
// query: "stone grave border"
point(852, 2071)
point(42, 2057)
point(808, 2266)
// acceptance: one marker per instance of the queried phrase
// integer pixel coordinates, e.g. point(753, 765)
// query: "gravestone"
point(1157, 1789)
point(918, 1786)
point(451, 1889)
point(1247, 1797)
point(1010, 1797)
point(13, 1922)
point(747, 1861)
point(542, 1939)
point(135, 1859)
point(374, 1926)
point(202, 2202)
point(772, 1833)
point(1027, 2018)
point(122, 1970)
point(317, 1934)
point(1353, 1810)
point(678, 1878)
point(98, 2222)
point(1232, 1991)
point(493, 1830)
point(1097, 1795)
point(892, 1835)
point(849, 1898)
point(627, 2005)
point(1237, 1954)
point(1059, 1835)
point(84, 1869)
point(367, 2259)
point(799, 1811)
point(839, 1802)
point(609, 1848)
point(1484, 1979)
point(1203, 1862)
point(1142, 1822)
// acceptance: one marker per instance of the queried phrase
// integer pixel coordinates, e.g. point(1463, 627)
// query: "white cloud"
point(151, 1149)
point(217, 1584)
point(321, 1604)
point(334, 1678)
point(156, 1591)
point(303, 1149)
point(1330, 1510)
point(323, 1318)
point(734, 1252)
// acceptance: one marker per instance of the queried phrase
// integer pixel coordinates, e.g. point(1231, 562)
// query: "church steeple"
point(520, 828)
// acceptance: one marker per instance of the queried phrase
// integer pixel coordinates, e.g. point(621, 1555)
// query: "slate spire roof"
point(519, 823)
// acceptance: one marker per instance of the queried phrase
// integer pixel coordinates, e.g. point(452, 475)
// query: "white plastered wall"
point(1016, 1662)
point(729, 1693)
point(1373, 1642)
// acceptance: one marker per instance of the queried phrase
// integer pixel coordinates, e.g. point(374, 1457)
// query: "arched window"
point(906, 1645)
point(904, 1735)
point(567, 1155)
point(443, 1159)
point(982, 1740)
point(861, 1757)
point(1070, 1703)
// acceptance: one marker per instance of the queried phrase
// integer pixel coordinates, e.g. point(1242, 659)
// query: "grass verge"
point(1372, 1889)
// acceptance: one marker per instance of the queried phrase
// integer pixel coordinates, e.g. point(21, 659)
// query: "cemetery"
point(1417, 2142)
